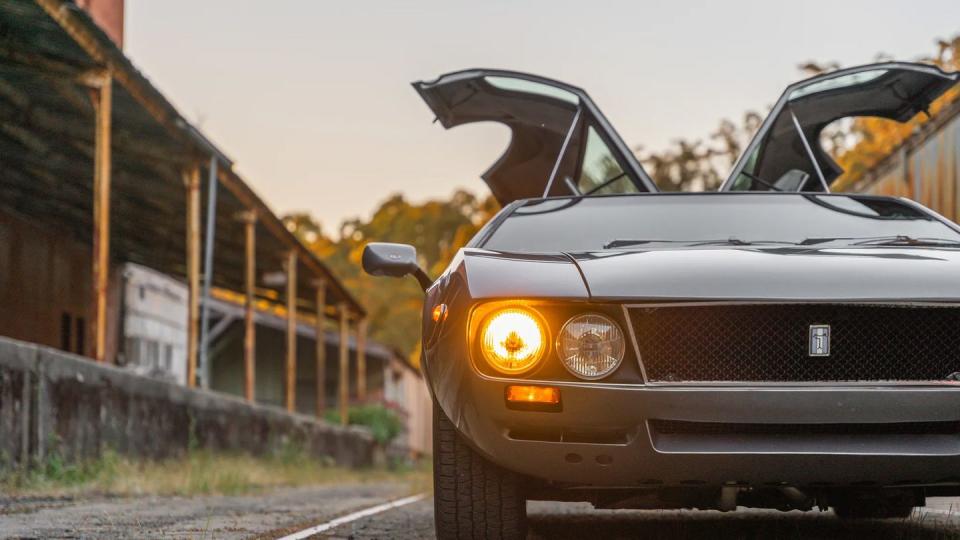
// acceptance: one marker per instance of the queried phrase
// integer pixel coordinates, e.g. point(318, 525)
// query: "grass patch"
point(200, 472)
point(383, 423)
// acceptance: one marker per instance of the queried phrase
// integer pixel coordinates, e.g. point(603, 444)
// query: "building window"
point(132, 351)
point(66, 326)
point(167, 358)
point(81, 335)
point(153, 355)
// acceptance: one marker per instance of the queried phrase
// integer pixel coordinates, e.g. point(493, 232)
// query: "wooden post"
point(249, 219)
point(343, 383)
point(291, 364)
point(192, 181)
point(321, 348)
point(362, 360)
point(101, 214)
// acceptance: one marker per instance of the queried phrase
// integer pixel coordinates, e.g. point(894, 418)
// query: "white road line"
point(332, 524)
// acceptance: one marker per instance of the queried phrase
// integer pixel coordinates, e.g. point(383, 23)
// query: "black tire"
point(472, 498)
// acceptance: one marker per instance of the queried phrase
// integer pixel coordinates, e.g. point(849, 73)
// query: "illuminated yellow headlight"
point(513, 340)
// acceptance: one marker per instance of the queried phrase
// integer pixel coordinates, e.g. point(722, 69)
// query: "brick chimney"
point(108, 14)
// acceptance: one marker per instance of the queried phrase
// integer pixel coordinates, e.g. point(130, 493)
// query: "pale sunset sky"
point(311, 98)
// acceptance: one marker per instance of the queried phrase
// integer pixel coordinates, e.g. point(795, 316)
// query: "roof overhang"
point(51, 54)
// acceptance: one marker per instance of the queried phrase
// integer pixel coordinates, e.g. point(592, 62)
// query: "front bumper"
point(603, 435)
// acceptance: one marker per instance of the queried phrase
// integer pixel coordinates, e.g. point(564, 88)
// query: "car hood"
point(787, 274)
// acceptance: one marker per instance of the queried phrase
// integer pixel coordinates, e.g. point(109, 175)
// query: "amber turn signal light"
point(547, 395)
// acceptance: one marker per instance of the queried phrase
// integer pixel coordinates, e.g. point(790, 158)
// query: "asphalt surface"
point(287, 511)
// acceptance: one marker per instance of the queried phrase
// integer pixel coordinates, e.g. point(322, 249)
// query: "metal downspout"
point(208, 274)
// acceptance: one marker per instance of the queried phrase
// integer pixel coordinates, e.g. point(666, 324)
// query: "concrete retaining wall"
point(54, 402)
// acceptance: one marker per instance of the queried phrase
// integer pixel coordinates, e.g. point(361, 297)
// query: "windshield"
point(671, 220)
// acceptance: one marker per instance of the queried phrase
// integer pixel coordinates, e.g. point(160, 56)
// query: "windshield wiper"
point(739, 242)
point(903, 240)
point(639, 242)
point(727, 242)
point(897, 240)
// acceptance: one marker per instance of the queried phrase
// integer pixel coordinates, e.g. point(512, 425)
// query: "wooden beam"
point(273, 225)
point(343, 382)
point(290, 368)
point(103, 53)
point(101, 216)
point(249, 220)
point(321, 348)
point(362, 360)
point(192, 183)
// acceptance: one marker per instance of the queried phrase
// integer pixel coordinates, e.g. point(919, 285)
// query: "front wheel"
point(472, 498)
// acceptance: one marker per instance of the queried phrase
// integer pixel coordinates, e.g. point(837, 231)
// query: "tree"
point(857, 145)
point(695, 165)
point(437, 228)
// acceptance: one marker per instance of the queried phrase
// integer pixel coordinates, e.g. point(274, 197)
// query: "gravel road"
point(269, 515)
point(286, 511)
point(578, 521)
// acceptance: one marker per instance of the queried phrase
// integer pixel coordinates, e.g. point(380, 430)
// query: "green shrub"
point(382, 422)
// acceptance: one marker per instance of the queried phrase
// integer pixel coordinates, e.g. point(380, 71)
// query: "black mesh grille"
point(676, 427)
point(769, 343)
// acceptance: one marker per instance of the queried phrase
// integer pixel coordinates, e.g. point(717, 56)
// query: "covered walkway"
point(98, 169)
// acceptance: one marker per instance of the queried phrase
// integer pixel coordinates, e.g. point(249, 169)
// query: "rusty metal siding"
point(893, 182)
point(927, 172)
point(44, 277)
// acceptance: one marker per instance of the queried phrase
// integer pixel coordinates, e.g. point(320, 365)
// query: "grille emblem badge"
point(819, 342)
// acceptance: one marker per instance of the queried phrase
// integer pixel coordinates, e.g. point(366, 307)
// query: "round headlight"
point(513, 340)
point(590, 346)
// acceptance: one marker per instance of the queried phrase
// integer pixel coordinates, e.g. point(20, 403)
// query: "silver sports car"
point(770, 345)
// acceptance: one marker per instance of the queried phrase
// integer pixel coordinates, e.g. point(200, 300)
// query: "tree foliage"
point(857, 145)
point(437, 228)
point(698, 164)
